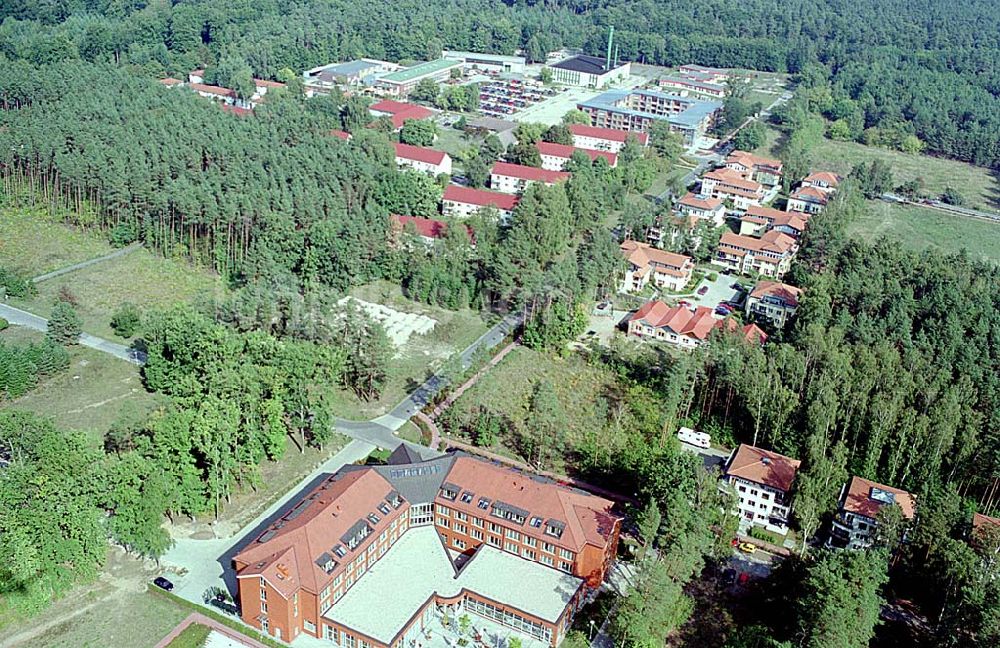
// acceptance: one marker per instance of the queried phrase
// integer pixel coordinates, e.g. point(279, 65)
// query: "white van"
point(697, 439)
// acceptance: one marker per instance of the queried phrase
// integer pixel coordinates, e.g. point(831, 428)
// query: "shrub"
point(3, 323)
point(126, 319)
point(14, 285)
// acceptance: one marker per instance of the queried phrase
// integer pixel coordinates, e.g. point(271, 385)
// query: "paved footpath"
point(18, 317)
point(89, 262)
point(201, 619)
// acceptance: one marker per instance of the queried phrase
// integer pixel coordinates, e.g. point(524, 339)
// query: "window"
point(493, 540)
point(528, 553)
point(476, 522)
point(461, 516)
point(263, 595)
point(510, 546)
point(495, 528)
point(371, 548)
point(340, 551)
point(326, 593)
point(531, 542)
point(329, 632)
point(461, 528)
point(467, 497)
point(476, 534)
point(263, 607)
point(443, 522)
point(547, 560)
point(421, 514)
point(458, 543)
point(444, 510)
point(513, 535)
point(565, 566)
point(548, 547)
point(484, 503)
point(349, 641)
point(384, 508)
point(374, 519)
point(309, 625)
point(565, 553)
point(262, 581)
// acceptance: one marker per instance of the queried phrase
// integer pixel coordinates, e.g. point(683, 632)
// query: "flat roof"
point(419, 70)
point(499, 58)
point(696, 111)
point(417, 567)
point(586, 64)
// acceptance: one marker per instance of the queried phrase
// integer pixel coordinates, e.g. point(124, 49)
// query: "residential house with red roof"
point(344, 135)
point(515, 178)
point(773, 301)
point(855, 524)
point(726, 184)
point(757, 220)
point(702, 207)
point(684, 327)
point(421, 158)
point(822, 180)
point(429, 230)
point(646, 263)
point(762, 480)
point(770, 255)
point(439, 537)
point(603, 139)
point(399, 111)
point(807, 200)
point(555, 156)
point(464, 202)
point(766, 171)
point(171, 82)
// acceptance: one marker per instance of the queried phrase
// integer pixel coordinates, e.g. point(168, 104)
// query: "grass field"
point(32, 244)
point(193, 636)
point(918, 228)
point(420, 357)
point(91, 394)
point(507, 389)
point(144, 278)
point(979, 186)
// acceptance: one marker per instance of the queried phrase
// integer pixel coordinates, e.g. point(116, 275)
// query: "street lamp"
point(591, 637)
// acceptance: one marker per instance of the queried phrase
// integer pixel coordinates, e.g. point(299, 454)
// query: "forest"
point(927, 68)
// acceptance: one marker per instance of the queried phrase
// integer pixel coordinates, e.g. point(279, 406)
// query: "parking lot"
point(719, 290)
point(503, 97)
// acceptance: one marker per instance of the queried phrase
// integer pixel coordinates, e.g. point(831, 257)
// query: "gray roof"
point(418, 482)
point(491, 124)
point(404, 454)
point(696, 111)
point(583, 63)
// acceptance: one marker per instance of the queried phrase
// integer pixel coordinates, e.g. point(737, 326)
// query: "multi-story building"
point(421, 158)
point(589, 71)
point(555, 156)
point(443, 537)
point(515, 178)
point(463, 202)
point(399, 111)
point(350, 73)
point(770, 255)
point(702, 207)
point(726, 184)
point(762, 480)
point(487, 62)
point(684, 85)
point(402, 82)
point(823, 180)
point(680, 326)
point(636, 110)
point(645, 263)
point(773, 301)
point(603, 139)
point(757, 220)
point(807, 200)
point(764, 170)
point(855, 524)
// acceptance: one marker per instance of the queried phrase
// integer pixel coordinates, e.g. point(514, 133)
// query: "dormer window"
point(484, 503)
point(467, 497)
point(384, 508)
point(536, 523)
point(449, 491)
point(554, 528)
point(374, 519)
point(340, 551)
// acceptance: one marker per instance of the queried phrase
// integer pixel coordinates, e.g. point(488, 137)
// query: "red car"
point(703, 290)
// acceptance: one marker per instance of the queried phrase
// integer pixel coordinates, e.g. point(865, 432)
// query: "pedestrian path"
point(83, 264)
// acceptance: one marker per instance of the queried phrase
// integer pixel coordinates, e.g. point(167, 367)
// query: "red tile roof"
point(480, 197)
point(749, 332)
point(587, 518)
point(237, 110)
point(400, 111)
point(170, 81)
point(773, 241)
point(697, 201)
point(609, 134)
point(697, 323)
point(752, 161)
point(733, 179)
point(788, 294)
point(426, 227)
point(825, 177)
point(419, 153)
point(763, 467)
point(642, 255)
point(767, 213)
point(211, 89)
point(858, 498)
point(287, 556)
point(810, 194)
point(527, 173)
point(262, 83)
point(564, 151)
point(344, 135)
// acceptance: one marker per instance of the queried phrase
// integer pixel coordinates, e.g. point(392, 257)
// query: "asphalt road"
point(19, 317)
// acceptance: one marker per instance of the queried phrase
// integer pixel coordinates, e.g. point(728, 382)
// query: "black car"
point(163, 583)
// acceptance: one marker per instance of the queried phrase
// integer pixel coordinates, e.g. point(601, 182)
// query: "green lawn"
point(142, 277)
point(31, 243)
point(91, 394)
point(454, 143)
point(978, 185)
point(919, 227)
point(507, 389)
point(193, 636)
point(420, 357)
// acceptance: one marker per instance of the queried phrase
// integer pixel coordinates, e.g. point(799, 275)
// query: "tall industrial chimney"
point(611, 40)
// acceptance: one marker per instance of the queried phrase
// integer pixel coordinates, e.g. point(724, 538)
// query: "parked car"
point(163, 583)
point(748, 548)
point(684, 303)
point(703, 290)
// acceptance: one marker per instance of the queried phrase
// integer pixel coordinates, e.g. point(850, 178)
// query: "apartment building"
point(683, 85)
point(762, 480)
point(855, 524)
point(423, 159)
point(603, 139)
point(702, 207)
point(823, 180)
point(726, 184)
point(515, 178)
point(770, 255)
point(773, 301)
point(555, 156)
point(807, 200)
point(441, 537)
point(764, 170)
point(646, 263)
point(758, 220)
point(636, 110)
point(680, 326)
point(464, 202)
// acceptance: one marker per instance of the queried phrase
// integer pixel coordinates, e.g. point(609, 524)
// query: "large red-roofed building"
point(763, 482)
point(421, 158)
point(603, 139)
point(855, 524)
point(515, 178)
point(555, 156)
point(399, 111)
point(463, 202)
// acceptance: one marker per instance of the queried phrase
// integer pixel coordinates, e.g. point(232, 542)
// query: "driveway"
point(719, 290)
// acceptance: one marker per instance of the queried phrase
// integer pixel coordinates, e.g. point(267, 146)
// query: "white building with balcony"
point(762, 480)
